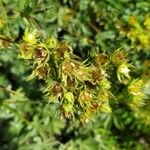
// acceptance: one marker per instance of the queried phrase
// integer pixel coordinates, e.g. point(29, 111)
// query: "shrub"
point(75, 74)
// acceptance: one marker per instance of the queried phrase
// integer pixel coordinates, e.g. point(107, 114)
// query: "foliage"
point(74, 74)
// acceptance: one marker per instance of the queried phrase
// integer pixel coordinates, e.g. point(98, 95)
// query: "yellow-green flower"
point(26, 51)
point(123, 72)
point(30, 37)
point(69, 97)
point(118, 57)
point(67, 109)
point(85, 97)
point(105, 84)
point(144, 39)
point(135, 87)
point(51, 42)
point(103, 95)
point(133, 21)
point(41, 53)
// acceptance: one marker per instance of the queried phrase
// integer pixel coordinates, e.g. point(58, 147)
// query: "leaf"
point(118, 122)
point(102, 36)
point(22, 4)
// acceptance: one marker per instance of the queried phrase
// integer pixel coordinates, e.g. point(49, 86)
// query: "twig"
point(94, 27)
point(7, 90)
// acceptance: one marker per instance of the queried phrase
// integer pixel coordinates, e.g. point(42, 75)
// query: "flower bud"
point(30, 37)
point(123, 72)
point(135, 87)
point(118, 57)
point(101, 59)
point(56, 90)
point(51, 42)
point(26, 51)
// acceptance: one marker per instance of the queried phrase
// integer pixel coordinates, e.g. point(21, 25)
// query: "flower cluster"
point(75, 84)
point(138, 33)
point(80, 87)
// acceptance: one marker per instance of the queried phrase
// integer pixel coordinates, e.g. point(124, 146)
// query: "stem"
point(96, 29)
point(7, 90)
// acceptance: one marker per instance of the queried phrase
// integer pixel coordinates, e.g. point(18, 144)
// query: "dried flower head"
point(101, 59)
point(57, 90)
point(42, 71)
point(63, 50)
point(97, 75)
point(40, 53)
point(68, 67)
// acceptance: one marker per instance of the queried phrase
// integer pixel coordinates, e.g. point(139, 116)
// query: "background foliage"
point(91, 28)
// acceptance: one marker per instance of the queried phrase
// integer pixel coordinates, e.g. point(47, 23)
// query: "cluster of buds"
point(70, 81)
point(94, 99)
point(33, 49)
point(81, 88)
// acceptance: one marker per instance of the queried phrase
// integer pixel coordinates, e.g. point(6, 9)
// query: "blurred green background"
point(27, 121)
